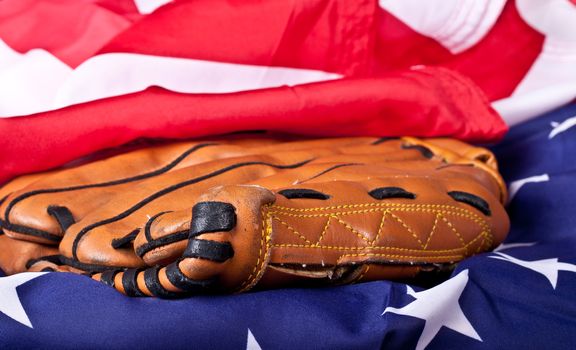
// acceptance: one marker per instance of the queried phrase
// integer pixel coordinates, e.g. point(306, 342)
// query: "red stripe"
point(498, 63)
point(71, 30)
point(332, 36)
point(430, 102)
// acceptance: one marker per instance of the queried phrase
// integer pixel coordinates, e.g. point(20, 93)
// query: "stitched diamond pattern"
point(406, 228)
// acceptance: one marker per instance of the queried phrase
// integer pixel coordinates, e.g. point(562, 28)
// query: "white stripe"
point(46, 83)
point(555, 65)
point(456, 24)
point(553, 18)
point(515, 186)
point(29, 82)
point(120, 73)
point(148, 6)
point(549, 83)
point(520, 108)
point(7, 56)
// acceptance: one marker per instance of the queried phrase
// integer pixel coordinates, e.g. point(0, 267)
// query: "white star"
point(439, 307)
point(9, 301)
point(252, 344)
point(561, 127)
point(547, 267)
point(505, 246)
point(516, 185)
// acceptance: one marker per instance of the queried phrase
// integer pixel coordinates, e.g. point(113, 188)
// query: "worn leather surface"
point(231, 214)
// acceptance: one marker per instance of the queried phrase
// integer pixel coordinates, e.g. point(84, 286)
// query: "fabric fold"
point(424, 102)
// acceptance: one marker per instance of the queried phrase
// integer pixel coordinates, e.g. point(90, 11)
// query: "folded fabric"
point(420, 102)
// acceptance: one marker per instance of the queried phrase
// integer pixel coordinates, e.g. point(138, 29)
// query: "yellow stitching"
point(457, 212)
point(291, 228)
point(378, 205)
point(480, 235)
point(439, 210)
point(349, 206)
point(367, 248)
point(379, 228)
point(453, 257)
point(288, 245)
point(470, 217)
point(486, 244)
point(431, 231)
point(490, 239)
point(394, 206)
point(455, 232)
point(353, 230)
point(408, 229)
point(264, 239)
point(324, 231)
point(327, 212)
point(481, 245)
point(413, 207)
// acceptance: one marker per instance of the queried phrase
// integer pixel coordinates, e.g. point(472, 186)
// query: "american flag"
point(72, 68)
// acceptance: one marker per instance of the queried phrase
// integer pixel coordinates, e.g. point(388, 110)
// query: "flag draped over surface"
point(81, 76)
point(424, 102)
point(115, 49)
point(56, 53)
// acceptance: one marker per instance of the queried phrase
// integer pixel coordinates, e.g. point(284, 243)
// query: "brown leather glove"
point(228, 216)
point(36, 207)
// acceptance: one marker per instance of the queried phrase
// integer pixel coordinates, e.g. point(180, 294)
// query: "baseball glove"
point(232, 214)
